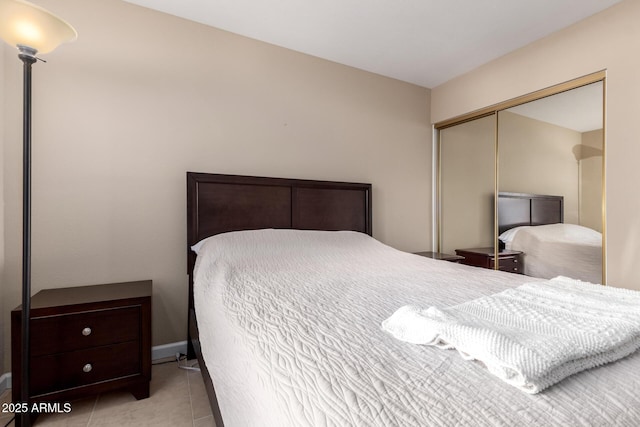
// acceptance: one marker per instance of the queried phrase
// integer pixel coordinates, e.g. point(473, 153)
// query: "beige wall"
point(537, 157)
point(142, 97)
point(591, 180)
point(467, 185)
point(608, 41)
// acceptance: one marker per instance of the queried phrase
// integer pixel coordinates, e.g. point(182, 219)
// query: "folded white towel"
point(534, 335)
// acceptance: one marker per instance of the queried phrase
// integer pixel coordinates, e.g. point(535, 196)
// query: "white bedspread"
point(559, 250)
point(532, 336)
point(290, 332)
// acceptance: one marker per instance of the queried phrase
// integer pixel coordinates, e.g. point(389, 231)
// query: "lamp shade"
point(25, 24)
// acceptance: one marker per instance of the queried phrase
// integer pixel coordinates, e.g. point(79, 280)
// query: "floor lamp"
point(32, 30)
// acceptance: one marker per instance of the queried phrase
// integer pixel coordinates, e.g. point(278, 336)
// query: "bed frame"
point(222, 203)
point(517, 209)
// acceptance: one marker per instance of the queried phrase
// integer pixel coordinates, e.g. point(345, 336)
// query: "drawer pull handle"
point(87, 368)
point(515, 260)
point(86, 332)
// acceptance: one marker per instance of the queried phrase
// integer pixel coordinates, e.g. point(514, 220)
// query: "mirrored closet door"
point(521, 188)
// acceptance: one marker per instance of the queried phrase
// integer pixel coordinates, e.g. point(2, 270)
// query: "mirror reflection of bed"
point(534, 225)
point(551, 145)
point(554, 146)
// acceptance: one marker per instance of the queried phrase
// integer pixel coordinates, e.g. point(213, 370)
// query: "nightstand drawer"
point(65, 370)
point(511, 264)
point(69, 332)
point(509, 260)
point(85, 340)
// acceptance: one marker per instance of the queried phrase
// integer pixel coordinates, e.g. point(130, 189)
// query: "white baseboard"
point(157, 352)
point(168, 350)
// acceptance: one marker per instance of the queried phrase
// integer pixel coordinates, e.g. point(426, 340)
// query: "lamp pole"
point(31, 29)
point(27, 55)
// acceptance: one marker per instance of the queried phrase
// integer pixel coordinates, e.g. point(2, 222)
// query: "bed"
point(534, 225)
point(305, 346)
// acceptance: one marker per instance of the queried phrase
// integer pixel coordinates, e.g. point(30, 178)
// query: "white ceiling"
point(579, 109)
point(425, 42)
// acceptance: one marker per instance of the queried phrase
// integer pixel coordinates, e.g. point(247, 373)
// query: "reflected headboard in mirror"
point(517, 209)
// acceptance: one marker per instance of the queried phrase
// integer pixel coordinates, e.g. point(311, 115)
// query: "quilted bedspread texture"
point(290, 332)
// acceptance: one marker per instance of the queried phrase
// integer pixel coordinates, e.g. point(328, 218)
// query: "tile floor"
point(178, 398)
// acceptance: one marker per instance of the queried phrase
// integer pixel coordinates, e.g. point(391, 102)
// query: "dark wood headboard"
point(517, 209)
point(221, 203)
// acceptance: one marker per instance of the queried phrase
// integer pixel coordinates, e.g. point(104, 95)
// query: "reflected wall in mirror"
point(467, 185)
point(554, 147)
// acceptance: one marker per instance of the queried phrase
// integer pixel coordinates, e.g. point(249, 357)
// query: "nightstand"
point(508, 260)
point(441, 256)
point(86, 340)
